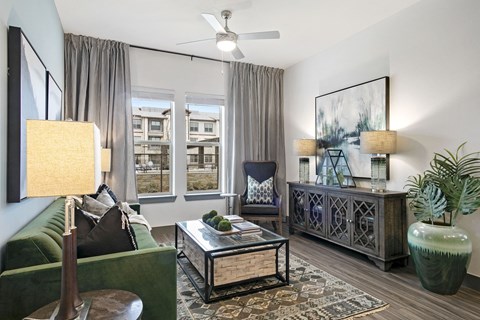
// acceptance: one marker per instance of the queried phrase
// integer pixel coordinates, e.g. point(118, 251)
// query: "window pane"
point(193, 126)
point(208, 127)
point(137, 123)
point(203, 147)
point(152, 145)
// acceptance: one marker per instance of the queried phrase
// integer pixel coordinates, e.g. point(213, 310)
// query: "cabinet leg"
point(382, 265)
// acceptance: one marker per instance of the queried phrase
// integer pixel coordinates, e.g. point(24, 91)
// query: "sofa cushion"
point(143, 237)
point(260, 209)
point(113, 233)
point(40, 241)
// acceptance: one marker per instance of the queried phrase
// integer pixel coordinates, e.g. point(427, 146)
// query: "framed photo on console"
point(341, 115)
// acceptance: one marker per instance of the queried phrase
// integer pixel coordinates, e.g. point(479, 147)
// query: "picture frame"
point(341, 115)
point(54, 99)
point(26, 100)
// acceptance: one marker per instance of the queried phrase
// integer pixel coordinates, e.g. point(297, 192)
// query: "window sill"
point(157, 199)
point(203, 196)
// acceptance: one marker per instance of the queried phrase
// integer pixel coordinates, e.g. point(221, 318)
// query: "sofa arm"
point(149, 273)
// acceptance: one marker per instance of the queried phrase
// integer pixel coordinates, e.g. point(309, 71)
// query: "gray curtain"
point(255, 129)
point(97, 89)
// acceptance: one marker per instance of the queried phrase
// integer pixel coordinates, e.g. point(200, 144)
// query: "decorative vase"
point(441, 255)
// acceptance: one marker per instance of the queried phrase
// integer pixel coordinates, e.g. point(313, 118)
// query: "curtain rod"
point(178, 53)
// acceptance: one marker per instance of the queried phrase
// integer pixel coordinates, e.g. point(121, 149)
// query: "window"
point(208, 158)
point(208, 127)
point(193, 126)
point(204, 149)
point(153, 147)
point(137, 123)
point(156, 125)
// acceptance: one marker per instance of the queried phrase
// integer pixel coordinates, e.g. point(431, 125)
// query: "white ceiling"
point(306, 26)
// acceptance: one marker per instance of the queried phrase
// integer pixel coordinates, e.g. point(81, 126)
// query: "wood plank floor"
point(399, 287)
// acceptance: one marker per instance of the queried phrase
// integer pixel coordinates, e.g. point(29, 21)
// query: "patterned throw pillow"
point(259, 193)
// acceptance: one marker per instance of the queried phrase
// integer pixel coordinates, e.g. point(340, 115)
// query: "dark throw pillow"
point(112, 233)
point(102, 187)
point(84, 223)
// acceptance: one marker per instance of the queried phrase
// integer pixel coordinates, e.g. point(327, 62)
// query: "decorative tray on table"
point(220, 233)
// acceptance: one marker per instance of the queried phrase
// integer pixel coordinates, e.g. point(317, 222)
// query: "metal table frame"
point(210, 256)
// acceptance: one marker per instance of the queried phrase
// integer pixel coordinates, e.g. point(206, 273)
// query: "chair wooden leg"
point(280, 225)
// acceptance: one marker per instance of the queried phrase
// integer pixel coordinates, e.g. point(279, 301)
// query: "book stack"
point(247, 228)
point(233, 218)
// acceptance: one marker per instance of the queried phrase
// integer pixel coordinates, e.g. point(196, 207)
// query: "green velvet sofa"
point(32, 272)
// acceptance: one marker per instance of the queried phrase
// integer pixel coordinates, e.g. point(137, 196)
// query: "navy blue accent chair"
point(261, 171)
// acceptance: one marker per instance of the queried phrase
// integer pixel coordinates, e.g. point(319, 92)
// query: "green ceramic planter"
point(441, 255)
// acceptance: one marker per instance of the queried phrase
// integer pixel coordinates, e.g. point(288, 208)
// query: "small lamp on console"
point(63, 159)
point(379, 144)
point(106, 159)
point(304, 148)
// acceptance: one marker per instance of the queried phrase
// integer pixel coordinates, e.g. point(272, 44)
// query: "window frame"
point(156, 96)
point(206, 101)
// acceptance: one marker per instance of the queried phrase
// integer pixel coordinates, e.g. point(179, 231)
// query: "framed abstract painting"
point(26, 100)
point(341, 115)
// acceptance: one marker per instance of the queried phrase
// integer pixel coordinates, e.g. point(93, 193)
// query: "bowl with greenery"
point(440, 249)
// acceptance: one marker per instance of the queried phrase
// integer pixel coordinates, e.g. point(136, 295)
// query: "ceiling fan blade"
point(180, 43)
point(216, 25)
point(237, 54)
point(259, 35)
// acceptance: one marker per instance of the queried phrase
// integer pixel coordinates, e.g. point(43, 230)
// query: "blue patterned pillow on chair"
point(259, 193)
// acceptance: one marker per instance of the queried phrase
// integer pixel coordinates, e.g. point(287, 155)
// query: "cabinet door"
point(297, 208)
point(338, 215)
point(365, 224)
point(316, 219)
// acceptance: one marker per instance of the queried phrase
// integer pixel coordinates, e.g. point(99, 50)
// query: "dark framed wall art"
point(54, 99)
point(341, 115)
point(26, 100)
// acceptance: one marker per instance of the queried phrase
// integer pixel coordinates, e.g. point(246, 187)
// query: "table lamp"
point(106, 159)
point(379, 144)
point(304, 148)
point(63, 159)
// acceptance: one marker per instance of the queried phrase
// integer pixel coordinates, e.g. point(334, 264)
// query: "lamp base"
point(304, 170)
point(379, 174)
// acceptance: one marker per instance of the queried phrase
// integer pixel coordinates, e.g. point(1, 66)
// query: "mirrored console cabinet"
point(368, 222)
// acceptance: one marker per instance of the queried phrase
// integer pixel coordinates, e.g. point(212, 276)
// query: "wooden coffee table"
point(214, 261)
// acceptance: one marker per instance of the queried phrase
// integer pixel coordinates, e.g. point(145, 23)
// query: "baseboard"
point(472, 282)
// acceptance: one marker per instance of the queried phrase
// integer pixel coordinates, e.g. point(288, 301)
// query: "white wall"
point(431, 51)
point(40, 23)
point(181, 74)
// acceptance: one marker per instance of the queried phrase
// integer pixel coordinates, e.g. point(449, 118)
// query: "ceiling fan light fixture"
point(226, 41)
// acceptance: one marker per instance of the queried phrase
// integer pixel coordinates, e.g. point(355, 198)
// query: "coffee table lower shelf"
point(224, 274)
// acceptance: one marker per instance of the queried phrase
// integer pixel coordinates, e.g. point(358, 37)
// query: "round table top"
point(106, 304)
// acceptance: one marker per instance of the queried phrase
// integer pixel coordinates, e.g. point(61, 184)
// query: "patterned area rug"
point(313, 294)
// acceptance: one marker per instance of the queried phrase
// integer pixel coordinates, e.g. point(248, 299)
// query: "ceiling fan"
point(227, 39)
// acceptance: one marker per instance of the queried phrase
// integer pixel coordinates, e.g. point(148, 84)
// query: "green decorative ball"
point(205, 217)
point(224, 225)
point(216, 220)
point(212, 213)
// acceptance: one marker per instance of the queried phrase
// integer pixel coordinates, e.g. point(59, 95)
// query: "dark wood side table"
point(106, 304)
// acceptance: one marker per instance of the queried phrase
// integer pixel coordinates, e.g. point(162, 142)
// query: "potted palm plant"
point(440, 249)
